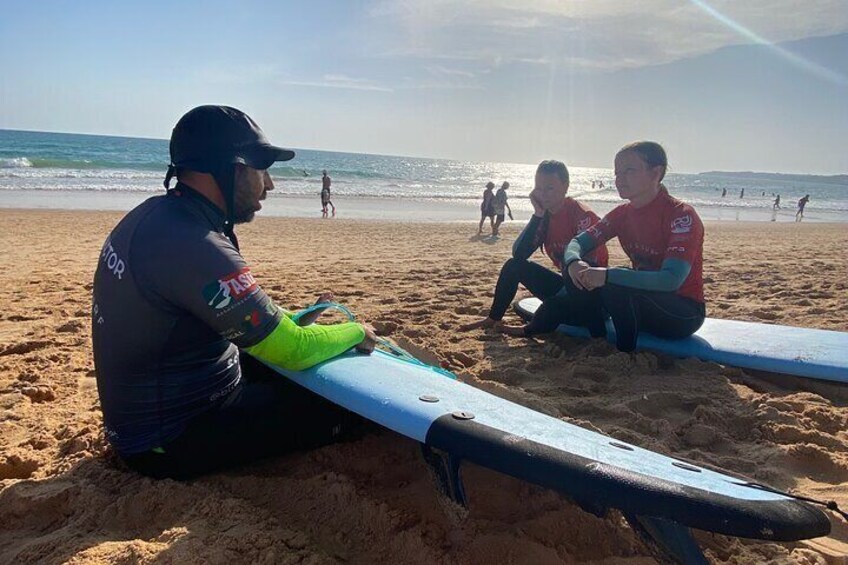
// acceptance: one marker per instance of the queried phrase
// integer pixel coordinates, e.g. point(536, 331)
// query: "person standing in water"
point(487, 208)
point(742, 193)
point(724, 192)
point(501, 206)
point(326, 199)
point(776, 205)
point(663, 292)
point(555, 221)
point(802, 203)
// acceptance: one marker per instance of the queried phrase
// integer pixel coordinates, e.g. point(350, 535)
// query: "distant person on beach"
point(724, 192)
point(663, 292)
point(326, 198)
point(181, 328)
point(556, 220)
point(501, 206)
point(742, 193)
point(487, 208)
point(802, 203)
point(776, 205)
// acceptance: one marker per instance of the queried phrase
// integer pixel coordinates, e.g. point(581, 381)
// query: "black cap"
point(208, 137)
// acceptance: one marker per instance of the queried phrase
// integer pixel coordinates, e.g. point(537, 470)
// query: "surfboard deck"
point(596, 471)
point(803, 352)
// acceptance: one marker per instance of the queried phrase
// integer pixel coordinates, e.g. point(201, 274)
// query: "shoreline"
point(388, 208)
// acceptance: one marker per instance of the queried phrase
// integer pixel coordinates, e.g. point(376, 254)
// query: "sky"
point(757, 85)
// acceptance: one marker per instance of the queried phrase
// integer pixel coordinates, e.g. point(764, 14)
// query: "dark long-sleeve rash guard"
point(173, 302)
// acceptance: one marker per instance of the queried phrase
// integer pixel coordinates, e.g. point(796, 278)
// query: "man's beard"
point(243, 216)
point(244, 209)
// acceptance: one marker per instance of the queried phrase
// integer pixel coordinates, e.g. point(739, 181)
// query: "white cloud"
point(337, 81)
point(599, 34)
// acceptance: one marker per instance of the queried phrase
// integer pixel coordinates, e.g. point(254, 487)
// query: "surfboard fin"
point(672, 542)
point(445, 469)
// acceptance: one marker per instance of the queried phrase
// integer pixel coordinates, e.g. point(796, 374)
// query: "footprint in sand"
point(665, 405)
point(385, 327)
point(38, 394)
point(25, 347)
point(74, 326)
point(17, 466)
point(766, 314)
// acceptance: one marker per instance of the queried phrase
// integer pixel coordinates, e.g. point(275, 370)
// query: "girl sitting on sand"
point(663, 292)
point(556, 220)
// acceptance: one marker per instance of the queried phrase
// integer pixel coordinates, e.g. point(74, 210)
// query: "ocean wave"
point(15, 163)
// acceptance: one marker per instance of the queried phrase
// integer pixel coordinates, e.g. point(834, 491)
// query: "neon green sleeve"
point(297, 348)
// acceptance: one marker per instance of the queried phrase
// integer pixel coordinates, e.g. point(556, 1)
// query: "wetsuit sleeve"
point(297, 348)
point(530, 238)
point(600, 232)
point(669, 278)
point(203, 274)
point(577, 248)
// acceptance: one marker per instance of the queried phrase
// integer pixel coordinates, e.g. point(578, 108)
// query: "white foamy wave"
point(15, 163)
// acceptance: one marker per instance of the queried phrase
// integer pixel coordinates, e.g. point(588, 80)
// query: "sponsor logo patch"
point(221, 293)
point(584, 224)
point(683, 224)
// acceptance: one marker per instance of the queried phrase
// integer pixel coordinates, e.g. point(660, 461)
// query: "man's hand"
point(575, 272)
point(369, 341)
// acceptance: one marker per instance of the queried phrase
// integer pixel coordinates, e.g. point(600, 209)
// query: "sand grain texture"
point(64, 498)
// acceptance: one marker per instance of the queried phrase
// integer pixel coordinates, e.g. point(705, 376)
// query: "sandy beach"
point(65, 498)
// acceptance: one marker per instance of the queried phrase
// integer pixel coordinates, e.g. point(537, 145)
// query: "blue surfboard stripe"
point(389, 392)
point(802, 352)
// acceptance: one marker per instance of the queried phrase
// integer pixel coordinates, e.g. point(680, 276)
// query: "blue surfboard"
point(596, 471)
point(803, 352)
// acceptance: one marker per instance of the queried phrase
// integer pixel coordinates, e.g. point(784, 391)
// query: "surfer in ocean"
point(663, 292)
point(556, 220)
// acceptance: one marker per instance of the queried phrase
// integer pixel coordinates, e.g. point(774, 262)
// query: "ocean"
point(73, 171)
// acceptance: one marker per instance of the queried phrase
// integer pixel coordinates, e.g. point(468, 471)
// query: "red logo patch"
point(239, 284)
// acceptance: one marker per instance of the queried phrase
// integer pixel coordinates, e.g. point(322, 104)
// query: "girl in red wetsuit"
point(663, 292)
point(556, 220)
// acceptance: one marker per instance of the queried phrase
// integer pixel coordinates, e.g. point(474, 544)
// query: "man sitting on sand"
point(176, 311)
point(556, 220)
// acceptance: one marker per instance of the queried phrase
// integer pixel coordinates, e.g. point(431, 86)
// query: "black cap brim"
point(261, 157)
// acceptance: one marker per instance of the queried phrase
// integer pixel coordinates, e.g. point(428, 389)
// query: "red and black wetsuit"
point(663, 292)
point(552, 232)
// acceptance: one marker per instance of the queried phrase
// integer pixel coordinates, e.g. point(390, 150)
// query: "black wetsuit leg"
point(663, 314)
point(541, 282)
point(576, 308)
point(267, 416)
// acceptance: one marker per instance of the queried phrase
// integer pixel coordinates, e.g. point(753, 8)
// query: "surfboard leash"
point(395, 350)
point(829, 504)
